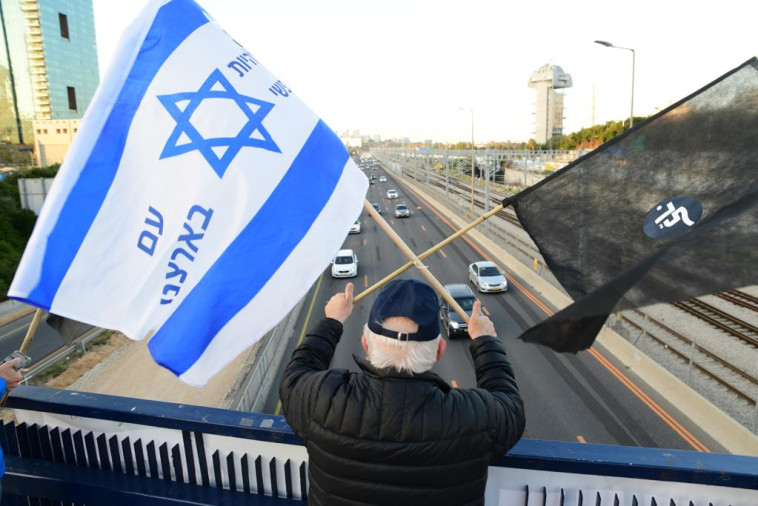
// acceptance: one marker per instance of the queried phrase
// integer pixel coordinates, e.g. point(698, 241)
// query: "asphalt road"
point(45, 341)
point(586, 397)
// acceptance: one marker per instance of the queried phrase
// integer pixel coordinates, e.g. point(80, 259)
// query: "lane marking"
point(581, 439)
point(365, 281)
point(442, 253)
point(302, 332)
point(485, 310)
point(14, 330)
point(423, 228)
point(454, 383)
point(364, 242)
point(658, 410)
point(629, 384)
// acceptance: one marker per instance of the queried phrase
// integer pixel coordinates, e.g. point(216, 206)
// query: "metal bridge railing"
point(73, 446)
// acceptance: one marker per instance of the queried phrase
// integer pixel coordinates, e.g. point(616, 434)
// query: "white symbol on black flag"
point(672, 216)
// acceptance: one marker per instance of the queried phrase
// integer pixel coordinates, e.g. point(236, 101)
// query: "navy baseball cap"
point(410, 298)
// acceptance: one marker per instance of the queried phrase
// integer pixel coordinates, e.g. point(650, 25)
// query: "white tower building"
point(548, 80)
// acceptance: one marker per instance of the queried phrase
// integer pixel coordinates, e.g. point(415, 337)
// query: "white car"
point(382, 179)
point(355, 228)
point(487, 277)
point(391, 194)
point(345, 264)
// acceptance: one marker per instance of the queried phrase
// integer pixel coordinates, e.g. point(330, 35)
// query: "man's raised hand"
point(340, 305)
point(479, 325)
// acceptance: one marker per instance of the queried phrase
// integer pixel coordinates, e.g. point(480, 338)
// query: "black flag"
point(67, 328)
point(664, 212)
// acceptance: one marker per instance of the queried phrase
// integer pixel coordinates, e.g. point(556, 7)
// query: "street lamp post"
point(473, 162)
point(608, 44)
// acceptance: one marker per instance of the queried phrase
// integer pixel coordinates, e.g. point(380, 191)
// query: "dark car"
point(449, 319)
point(376, 206)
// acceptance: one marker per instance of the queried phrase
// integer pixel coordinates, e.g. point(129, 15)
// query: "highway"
point(586, 397)
point(45, 341)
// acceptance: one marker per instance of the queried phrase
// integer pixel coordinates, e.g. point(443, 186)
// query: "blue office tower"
point(48, 63)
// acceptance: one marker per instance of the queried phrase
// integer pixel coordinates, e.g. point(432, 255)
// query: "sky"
point(418, 69)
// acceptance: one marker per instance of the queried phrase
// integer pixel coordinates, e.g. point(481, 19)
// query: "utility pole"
point(473, 163)
point(447, 176)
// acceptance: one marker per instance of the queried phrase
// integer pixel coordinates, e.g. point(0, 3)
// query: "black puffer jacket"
point(382, 437)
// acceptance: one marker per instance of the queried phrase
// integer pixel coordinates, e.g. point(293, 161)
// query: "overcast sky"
point(406, 68)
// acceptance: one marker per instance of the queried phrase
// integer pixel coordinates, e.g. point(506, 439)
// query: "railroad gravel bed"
point(722, 344)
point(717, 342)
point(747, 315)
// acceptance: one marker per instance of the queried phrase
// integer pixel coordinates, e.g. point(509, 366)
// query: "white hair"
point(410, 356)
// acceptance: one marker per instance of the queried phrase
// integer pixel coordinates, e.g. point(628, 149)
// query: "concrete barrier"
point(726, 431)
point(729, 433)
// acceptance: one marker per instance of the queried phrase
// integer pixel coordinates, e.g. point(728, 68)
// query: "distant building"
point(548, 80)
point(351, 141)
point(52, 138)
point(48, 63)
point(371, 138)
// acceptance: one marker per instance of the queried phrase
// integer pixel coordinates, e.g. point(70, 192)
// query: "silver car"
point(487, 277)
point(402, 211)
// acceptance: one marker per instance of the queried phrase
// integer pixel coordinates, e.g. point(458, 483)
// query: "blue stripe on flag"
point(173, 23)
point(255, 254)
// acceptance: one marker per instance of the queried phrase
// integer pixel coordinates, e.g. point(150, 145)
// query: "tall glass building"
point(48, 63)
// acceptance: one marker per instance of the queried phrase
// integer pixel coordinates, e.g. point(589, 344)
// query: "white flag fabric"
point(199, 202)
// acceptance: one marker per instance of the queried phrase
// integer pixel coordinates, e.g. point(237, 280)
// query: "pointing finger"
point(349, 292)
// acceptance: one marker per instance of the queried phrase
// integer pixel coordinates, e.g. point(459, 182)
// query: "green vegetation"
point(592, 137)
point(16, 224)
point(62, 366)
point(54, 370)
point(16, 155)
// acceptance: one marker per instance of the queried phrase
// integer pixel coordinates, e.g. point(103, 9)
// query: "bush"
point(16, 224)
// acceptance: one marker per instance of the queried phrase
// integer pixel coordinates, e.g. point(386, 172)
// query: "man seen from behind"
point(396, 433)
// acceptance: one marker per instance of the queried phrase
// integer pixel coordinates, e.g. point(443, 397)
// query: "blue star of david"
point(216, 86)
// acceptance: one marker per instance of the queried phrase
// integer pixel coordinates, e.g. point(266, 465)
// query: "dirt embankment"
point(121, 366)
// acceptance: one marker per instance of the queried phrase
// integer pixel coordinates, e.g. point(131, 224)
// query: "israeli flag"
point(199, 202)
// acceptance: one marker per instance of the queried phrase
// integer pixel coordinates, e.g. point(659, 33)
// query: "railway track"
point(462, 191)
point(723, 373)
point(721, 320)
point(740, 298)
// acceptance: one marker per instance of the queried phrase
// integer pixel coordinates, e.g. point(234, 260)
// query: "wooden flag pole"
point(425, 254)
point(32, 330)
point(414, 260)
